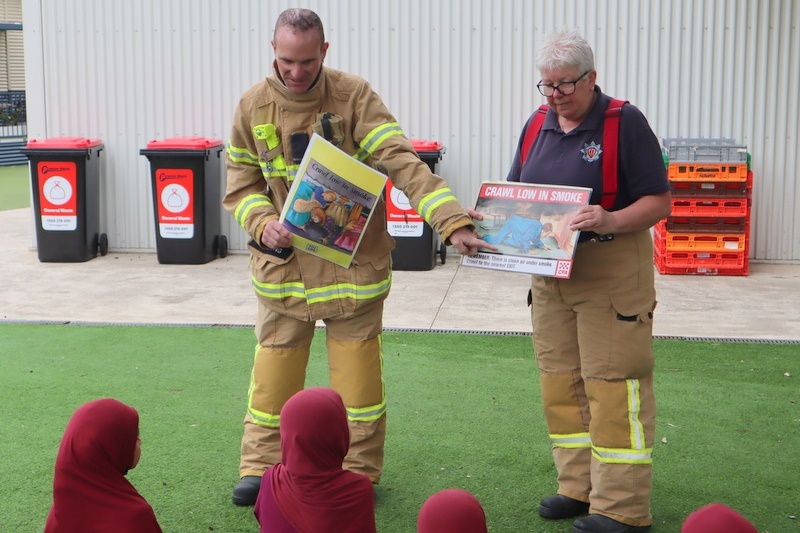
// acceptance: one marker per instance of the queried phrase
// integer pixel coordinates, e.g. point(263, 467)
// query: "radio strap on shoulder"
point(610, 146)
point(325, 120)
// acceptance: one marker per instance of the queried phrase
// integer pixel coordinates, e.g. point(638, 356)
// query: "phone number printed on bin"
point(405, 229)
point(176, 231)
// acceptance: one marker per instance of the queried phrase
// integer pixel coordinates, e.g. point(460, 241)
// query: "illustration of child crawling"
point(326, 217)
point(523, 233)
point(299, 212)
point(322, 228)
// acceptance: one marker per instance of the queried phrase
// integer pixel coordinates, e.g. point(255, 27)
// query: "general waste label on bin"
point(58, 205)
point(401, 219)
point(175, 193)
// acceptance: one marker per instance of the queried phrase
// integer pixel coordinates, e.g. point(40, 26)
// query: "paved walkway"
point(135, 288)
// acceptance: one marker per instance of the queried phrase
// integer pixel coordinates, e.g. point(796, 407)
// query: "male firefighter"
point(294, 289)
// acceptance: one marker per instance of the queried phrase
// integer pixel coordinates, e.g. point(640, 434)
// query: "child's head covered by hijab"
point(451, 511)
point(308, 490)
point(717, 518)
point(90, 491)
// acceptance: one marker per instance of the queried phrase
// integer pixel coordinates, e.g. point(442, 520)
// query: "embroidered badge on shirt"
point(591, 152)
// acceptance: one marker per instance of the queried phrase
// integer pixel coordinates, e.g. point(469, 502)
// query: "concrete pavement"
point(132, 288)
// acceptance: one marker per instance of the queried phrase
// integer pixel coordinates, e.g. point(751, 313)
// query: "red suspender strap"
point(611, 153)
point(610, 146)
point(534, 127)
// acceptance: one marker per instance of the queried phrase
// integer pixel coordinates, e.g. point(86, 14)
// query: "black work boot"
point(560, 506)
point(597, 523)
point(246, 491)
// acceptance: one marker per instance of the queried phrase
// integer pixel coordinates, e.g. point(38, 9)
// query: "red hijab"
point(90, 491)
point(310, 487)
point(451, 511)
point(717, 518)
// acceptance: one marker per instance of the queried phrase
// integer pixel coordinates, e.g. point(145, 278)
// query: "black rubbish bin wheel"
point(442, 252)
point(222, 245)
point(102, 244)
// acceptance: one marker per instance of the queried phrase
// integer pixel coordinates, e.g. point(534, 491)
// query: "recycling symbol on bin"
point(175, 198)
point(57, 190)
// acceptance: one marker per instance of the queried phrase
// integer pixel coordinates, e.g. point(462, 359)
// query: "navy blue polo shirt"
point(558, 158)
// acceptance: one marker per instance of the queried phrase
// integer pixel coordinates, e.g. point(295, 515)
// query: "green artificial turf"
point(14, 187)
point(464, 412)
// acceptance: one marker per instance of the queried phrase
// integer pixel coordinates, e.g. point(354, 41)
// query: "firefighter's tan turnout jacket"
point(261, 169)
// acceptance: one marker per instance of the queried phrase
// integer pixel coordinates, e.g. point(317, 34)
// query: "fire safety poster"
point(401, 219)
point(58, 193)
point(175, 195)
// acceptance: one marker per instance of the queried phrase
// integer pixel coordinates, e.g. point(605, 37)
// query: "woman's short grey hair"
point(564, 48)
point(300, 20)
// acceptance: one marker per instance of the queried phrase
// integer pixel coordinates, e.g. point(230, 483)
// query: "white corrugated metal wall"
point(457, 71)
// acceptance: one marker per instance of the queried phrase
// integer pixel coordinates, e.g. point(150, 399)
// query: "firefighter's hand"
point(477, 215)
point(467, 243)
point(593, 218)
point(275, 235)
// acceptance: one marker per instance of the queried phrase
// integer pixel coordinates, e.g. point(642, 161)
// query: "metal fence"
point(13, 128)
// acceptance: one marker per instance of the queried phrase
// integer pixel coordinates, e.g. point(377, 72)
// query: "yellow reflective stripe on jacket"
point(430, 202)
point(291, 172)
point(571, 440)
point(327, 293)
point(341, 291)
point(370, 143)
point(269, 171)
point(248, 203)
point(242, 155)
point(279, 291)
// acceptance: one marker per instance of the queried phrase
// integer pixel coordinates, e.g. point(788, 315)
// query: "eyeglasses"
point(566, 88)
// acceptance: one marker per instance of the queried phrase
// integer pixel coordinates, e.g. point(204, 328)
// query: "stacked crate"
point(708, 230)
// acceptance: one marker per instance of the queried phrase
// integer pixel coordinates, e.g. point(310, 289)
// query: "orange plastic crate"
point(703, 225)
point(707, 172)
point(728, 260)
point(713, 207)
point(700, 242)
point(709, 224)
point(715, 189)
point(706, 241)
point(723, 264)
point(702, 271)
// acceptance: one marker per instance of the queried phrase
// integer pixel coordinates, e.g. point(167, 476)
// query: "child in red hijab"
point(451, 511)
point(717, 518)
point(308, 491)
point(90, 491)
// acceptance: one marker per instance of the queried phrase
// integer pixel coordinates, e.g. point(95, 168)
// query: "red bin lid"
point(70, 143)
point(183, 143)
point(421, 145)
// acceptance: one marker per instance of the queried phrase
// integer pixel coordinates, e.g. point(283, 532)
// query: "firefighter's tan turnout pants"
point(593, 343)
point(355, 364)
